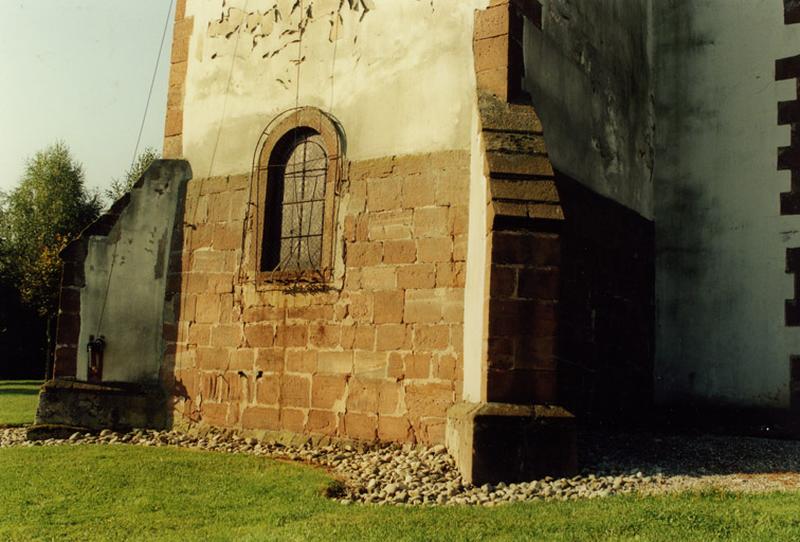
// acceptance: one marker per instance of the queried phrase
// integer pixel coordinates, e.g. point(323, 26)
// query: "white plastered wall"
point(399, 77)
point(126, 275)
point(721, 241)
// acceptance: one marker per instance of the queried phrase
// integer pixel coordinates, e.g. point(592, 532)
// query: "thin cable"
point(302, 29)
point(333, 61)
point(227, 91)
point(255, 172)
point(108, 287)
point(221, 122)
point(133, 161)
point(152, 83)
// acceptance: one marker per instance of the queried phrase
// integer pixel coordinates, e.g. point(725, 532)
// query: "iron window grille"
point(297, 173)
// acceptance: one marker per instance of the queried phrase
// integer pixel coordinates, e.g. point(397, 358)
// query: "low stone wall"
point(95, 407)
point(114, 278)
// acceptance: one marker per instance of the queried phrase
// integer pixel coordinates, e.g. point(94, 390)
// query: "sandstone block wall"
point(377, 354)
point(523, 317)
point(606, 307)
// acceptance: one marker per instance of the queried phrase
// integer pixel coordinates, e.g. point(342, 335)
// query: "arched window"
point(297, 175)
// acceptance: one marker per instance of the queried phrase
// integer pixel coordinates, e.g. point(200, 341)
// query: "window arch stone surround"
point(276, 142)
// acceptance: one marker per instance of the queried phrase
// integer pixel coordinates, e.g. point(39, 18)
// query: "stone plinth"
point(101, 406)
point(498, 442)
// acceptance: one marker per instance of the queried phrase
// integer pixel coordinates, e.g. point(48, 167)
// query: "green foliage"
point(119, 187)
point(38, 218)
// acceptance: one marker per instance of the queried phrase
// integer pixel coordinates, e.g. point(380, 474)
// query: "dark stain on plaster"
point(688, 219)
point(684, 214)
point(791, 11)
point(276, 21)
point(607, 46)
point(160, 256)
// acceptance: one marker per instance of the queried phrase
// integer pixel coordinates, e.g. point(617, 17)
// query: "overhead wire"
point(224, 111)
point(220, 124)
point(152, 83)
point(295, 143)
point(255, 170)
point(133, 160)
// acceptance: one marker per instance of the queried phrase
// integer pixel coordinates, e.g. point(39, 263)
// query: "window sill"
point(288, 279)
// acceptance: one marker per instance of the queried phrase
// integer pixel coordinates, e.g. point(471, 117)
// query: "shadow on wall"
point(607, 307)
point(176, 390)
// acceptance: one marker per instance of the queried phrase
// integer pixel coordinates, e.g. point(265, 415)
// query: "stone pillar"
point(512, 429)
point(179, 60)
point(65, 363)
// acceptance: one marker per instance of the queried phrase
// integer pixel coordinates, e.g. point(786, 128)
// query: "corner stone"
point(497, 442)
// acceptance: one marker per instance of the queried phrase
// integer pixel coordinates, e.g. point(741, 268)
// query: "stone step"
point(524, 190)
point(514, 142)
point(531, 165)
point(542, 211)
point(499, 115)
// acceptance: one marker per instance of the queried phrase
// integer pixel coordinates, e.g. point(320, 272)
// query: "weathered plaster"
point(126, 274)
point(670, 109)
point(399, 76)
point(721, 242)
point(476, 291)
point(588, 71)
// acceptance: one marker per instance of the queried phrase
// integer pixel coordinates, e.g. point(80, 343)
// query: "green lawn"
point(121, 492)
point(18, 399)
point(132, 493)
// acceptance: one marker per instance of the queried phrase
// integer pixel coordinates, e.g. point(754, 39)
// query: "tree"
point(48, 208)
point(119, 187)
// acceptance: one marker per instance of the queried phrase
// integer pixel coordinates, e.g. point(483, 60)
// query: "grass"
point(132, 493)
point(18, 399)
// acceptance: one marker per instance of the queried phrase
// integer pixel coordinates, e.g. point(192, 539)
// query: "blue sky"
point(79, 71)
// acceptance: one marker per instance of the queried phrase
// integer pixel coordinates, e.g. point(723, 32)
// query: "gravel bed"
point(696, 462)
point(407, 475)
